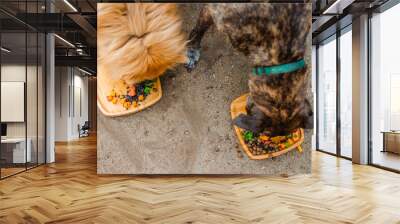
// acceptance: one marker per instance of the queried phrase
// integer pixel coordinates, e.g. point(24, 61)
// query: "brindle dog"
point(268, 34)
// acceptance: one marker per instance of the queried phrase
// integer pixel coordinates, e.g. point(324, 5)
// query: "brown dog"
point(139, 41)
point(268, 34)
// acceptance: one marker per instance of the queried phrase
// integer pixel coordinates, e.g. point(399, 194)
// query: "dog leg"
point(196, 35)
point(254, 121)
point(249, 123)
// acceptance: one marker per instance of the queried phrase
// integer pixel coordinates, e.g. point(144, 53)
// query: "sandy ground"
point(190, 130)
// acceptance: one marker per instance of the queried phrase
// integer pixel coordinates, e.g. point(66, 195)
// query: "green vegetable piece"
point(248, 136)
point(147, 90)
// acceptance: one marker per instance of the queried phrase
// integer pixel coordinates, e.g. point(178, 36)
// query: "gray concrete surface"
point(190, 131)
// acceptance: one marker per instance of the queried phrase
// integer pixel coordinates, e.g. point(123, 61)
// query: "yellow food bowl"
point(238, 107)
point(110, 106)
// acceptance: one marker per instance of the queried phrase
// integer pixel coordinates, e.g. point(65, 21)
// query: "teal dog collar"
point(279, 69)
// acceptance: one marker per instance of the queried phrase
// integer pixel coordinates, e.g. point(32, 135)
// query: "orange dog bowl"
point(238, 107)
point(105, 86)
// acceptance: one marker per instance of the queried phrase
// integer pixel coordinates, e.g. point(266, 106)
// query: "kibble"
point(132, 94)
point(262, 144)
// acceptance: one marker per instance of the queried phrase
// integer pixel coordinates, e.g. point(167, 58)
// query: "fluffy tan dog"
point(139, 41)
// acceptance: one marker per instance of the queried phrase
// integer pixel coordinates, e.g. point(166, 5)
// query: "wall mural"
point(204, 88)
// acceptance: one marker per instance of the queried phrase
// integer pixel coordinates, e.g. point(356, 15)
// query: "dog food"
point(260, 144)
point(131, 95)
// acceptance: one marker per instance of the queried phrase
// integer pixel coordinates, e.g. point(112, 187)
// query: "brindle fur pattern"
point(269, 34)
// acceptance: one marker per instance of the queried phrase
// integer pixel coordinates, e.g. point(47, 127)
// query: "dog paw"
point(249, 123)
point(193, 56)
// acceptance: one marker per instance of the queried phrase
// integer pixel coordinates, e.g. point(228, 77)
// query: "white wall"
point(70, 83)
point(33, 127)
point(79, 117)
point(12, 73)
point(61, 103)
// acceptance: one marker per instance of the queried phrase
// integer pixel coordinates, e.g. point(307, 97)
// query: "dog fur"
point(268, 34)
point(139, 41)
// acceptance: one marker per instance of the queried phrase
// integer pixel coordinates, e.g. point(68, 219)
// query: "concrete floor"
point(190, 131)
